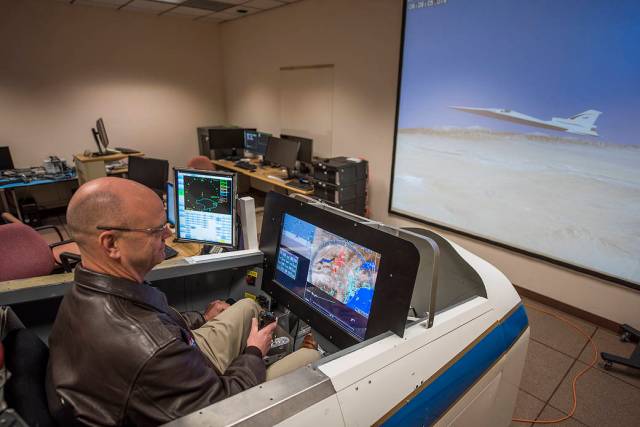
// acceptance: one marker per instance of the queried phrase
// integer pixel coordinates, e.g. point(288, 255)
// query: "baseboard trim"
point(569, 309)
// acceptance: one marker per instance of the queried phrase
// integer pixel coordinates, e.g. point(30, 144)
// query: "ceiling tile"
point(173, 2)
point(213, 18)
point(103, 3)
point(211, 5)
point(242, 10)
point(263, 4)
point(189, 11)
point(234, 12)
point(234, 2)
point(148, 6)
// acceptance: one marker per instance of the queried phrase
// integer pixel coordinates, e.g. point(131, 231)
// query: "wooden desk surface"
point(262, 174)
point(107, 158)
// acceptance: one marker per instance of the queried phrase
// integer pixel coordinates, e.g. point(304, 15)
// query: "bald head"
point(107, 201)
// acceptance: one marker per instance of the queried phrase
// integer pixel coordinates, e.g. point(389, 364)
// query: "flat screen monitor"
point(6, 162)
point(171, 203)
point(256, 142)
point(283, 152)
point(226, 138)
point(102, 133)
point(206, 207)
point(345, 279)
point(305, 153)
point(153, 173)
point(334, 275)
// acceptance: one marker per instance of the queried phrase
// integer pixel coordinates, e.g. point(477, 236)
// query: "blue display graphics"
point(256, 142)
point(333, 275)
point(205, 207)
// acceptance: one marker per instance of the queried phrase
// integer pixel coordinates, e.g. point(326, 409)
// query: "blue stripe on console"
point(433, 401)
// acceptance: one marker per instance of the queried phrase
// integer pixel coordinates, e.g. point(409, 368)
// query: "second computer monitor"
point(153, 173)
point(256, 142)
point(171, 203)
point(206, 207)
point(282, 152)
point(305, 154)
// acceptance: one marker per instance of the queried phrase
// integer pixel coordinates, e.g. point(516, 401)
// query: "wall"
point(361, 38)
point(153, 80)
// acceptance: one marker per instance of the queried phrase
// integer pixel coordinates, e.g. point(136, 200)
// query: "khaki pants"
point(225, 337)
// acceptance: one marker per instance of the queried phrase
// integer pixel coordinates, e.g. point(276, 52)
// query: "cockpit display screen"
point(333, 275)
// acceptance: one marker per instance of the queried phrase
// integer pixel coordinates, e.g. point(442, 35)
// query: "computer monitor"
point(305, 154)
point(344, 278)
point(334, 275)
point(102, 133)
point(100, 137)
point(282, 152)
point(6, 162)
point(206, 207)
point(171, 203)
point(256, 142)
point(153, 173)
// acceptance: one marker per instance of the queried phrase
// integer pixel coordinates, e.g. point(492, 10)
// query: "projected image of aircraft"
point(580, 124)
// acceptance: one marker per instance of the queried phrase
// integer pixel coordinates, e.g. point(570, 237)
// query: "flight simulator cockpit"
point(342, 278)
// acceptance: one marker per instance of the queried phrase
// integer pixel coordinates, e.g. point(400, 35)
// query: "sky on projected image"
point(572, 197)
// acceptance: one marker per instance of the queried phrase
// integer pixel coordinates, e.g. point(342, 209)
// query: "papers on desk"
point(225, 255)
point(117, 164)
point(277, 178)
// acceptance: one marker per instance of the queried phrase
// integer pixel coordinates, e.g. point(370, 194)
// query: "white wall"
point(361, 38)
point(153, 79)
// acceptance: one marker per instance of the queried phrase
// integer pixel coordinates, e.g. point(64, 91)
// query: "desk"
point(19, 184)
point(260, 174)
point(55, 285)
point(92, 167)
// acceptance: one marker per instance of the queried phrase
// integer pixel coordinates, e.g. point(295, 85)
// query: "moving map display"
point(333, 275)
point(205, 207)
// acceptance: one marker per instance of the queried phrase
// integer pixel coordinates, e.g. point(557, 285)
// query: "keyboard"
point(246, 165)
point(169, 252)
point(124, 150)
point(300, 185)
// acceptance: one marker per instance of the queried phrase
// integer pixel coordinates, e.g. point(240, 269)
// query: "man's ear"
point(109, 244)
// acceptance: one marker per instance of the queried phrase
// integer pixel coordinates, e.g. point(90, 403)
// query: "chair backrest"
point(153, 173)
point(200, 162)
point(26, 357)
point(23, 253)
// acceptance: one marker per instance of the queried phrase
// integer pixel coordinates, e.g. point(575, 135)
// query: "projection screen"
point(518, 123)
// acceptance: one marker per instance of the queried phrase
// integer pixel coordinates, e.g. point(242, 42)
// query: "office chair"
point(200, 162)
point(25, 253)
point(153, 173)
point(25, 357)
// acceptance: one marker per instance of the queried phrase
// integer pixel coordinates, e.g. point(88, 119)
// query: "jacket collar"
point(142, 293)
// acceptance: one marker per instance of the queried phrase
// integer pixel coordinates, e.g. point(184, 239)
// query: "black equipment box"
point(340, 171)
point(339, 193)
point(342, 183)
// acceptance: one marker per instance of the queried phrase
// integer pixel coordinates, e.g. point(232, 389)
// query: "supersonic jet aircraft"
point(580, 124)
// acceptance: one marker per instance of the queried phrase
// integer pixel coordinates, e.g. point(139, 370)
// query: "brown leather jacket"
point(120, 355)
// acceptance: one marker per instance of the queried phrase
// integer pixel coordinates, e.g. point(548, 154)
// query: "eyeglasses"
point(151, 230)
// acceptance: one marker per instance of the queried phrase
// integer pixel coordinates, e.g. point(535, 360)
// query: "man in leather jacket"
point(119, 354)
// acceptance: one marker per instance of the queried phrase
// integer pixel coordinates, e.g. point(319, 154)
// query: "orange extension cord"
point(575, 379)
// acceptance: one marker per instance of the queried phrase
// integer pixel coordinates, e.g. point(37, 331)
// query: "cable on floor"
point(575, 379)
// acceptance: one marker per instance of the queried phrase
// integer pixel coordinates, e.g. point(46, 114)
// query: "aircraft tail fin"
point(586, 119)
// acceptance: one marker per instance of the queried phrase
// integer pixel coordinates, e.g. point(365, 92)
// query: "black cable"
point(295, 336)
